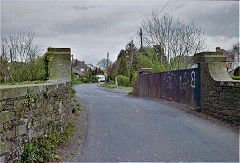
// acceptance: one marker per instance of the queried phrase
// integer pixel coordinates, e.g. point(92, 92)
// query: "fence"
point(181, 86)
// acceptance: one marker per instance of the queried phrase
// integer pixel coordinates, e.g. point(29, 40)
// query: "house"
point(236, 66)
point(229, 58)
point(233, 59)
point(79, 68)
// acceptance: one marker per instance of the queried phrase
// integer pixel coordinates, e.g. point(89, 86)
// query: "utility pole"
point(141, 38)
point(107, 64)
point(131, 63)
point(72, 64)
point(107, 58)
point(131, 54)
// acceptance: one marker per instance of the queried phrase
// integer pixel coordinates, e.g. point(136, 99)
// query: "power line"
point(164, 7)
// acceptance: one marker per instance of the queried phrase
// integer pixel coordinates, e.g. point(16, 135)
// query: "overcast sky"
point(92, 28)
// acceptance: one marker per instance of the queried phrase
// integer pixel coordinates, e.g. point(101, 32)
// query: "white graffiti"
point(193, 79)
point(183, 81)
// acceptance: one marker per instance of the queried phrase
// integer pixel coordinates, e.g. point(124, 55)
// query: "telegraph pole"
point(141, 38)
point(131, 53)
point(107, 58)
point(107, 64)
point(72, 64)
point(131, 63)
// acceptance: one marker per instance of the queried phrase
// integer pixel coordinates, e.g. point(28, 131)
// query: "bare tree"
point(175, 37)
point(17, 54)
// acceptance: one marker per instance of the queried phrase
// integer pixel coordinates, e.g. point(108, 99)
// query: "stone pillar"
point(61, 68)
point(136, 85)
point(212, 68)
point(220, 94)
point(212, 65)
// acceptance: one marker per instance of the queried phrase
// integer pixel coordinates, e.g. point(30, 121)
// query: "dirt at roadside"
point(70, 149)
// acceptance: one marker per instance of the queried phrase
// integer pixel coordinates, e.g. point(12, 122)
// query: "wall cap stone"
point(145, 70)
point(215, 62)
point(209, 57)
point(60, 50)
point(14, 91)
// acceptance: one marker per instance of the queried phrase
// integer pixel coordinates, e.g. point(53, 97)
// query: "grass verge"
point(235, 77)
point(76, 81)
point(117, 86)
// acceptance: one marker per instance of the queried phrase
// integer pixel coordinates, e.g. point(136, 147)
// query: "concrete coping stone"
point(14, 91)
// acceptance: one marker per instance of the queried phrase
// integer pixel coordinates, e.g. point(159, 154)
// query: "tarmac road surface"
point(125, 128)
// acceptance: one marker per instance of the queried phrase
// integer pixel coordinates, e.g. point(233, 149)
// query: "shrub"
point(235, 77)
point(123, 68)
point(134, 79)
point(123, 80)
point(95, 79)
point(113, 74)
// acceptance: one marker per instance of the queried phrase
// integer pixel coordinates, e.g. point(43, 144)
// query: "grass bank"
point(76, 81)
point(235, 77)
point(117, 86)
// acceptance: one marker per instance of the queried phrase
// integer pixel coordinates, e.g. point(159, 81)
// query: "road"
point(125, 128)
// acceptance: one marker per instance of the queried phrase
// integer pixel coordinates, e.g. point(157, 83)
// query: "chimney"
point(218, 49)
point(76, 63)
point(235, 48)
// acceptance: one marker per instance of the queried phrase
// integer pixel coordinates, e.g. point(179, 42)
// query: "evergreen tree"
point(123, 68)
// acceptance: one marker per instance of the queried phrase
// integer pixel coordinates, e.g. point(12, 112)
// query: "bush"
point(16, 72)
point(235, 77)
point(75, 80)
point(113, 74)
point(123, 68)
point(123, 80)
point(134, 79)
point(95, 79)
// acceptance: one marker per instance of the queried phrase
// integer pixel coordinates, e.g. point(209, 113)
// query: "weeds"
point(73, 93)
point(78, 106)
point(41, 149)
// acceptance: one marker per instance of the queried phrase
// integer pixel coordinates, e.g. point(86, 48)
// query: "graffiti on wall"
point(179, 85)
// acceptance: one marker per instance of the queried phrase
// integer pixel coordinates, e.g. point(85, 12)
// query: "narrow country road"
point(124, 128)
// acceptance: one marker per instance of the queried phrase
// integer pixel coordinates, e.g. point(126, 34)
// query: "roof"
point(76, 71)
point(79, 64)
point(229, 55)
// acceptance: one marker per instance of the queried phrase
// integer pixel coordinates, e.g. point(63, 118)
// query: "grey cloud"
point(79, 8)
point(215, 18)
point(92, 28)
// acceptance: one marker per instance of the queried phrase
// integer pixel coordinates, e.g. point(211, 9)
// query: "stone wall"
point(28, 111)
point(220, 95)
